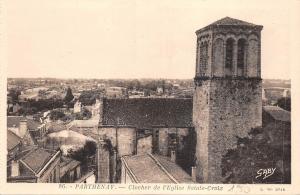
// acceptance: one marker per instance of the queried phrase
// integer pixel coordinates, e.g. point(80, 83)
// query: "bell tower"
point(227, 101)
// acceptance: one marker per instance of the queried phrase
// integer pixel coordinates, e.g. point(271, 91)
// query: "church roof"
point(231, 21)
point(148, 112)
point(227, 21)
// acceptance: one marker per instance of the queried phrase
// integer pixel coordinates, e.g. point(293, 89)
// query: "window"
point(229, 57)
point(241, 57)
point(203, 57)
point(54, 175)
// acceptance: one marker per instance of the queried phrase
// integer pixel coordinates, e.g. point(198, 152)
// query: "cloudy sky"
point(133, 38)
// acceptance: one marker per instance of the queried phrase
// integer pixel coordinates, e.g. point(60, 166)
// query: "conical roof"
point(231, 21)
point(227, 21)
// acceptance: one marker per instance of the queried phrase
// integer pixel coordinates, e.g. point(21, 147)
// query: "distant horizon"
point(66, 78)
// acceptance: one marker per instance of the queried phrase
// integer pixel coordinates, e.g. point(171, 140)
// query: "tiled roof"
point(227, 21)
point(84, 123)
point(278, 113)
point(54, 126)
point(38, 158)
point(148, 112)
point(231, 21)
point(12, 140)
point(147, 168)
point(178, 173)
point(14, 121)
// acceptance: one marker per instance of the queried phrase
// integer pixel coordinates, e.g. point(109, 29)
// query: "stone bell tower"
point(227, 101)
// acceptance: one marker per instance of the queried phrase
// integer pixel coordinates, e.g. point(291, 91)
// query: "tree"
point(14, 94)
point(56, 115)
point(241, 165)
point(69, 96)
point(83, 154)
point(284, 103)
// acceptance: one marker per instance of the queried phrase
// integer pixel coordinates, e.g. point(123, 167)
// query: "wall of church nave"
point(124, 138)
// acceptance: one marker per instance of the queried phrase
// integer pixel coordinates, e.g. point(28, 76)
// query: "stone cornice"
point(245, 27)
point(198, 80)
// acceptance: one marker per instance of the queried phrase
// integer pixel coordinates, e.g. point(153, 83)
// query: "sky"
point(132, 38)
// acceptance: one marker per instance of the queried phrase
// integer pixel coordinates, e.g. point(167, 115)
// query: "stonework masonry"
point(228, 108)
point(227, 100)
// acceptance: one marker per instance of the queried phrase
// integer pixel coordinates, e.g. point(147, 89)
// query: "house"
point(77, 107)
point(32, 131)
point(70, 170)
point(116, 92)
point(155, 169)
point(159, 90)
point(13, 108)
point(14, 144)
point(38, 166)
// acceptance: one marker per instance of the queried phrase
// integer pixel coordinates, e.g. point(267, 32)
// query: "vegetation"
point(57, 115)
point(69, 96)
point(89, 97)
point(83, 115)
point(14, 94)
point(284, 103)
point(83, 155)
point(257, 152)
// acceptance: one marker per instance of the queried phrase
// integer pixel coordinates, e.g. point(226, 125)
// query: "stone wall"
point(126, 139)
point(103, 165)
point(163, 141)
point(223, 109)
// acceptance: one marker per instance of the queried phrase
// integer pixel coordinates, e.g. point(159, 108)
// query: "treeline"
point(42, 105)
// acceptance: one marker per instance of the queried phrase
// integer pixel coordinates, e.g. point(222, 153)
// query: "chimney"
point(173, 156)
point(194, 174)
point(23, 128)
point(15, 168)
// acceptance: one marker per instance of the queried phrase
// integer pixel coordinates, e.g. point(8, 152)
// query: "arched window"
point(203, 61)
point(229, 57)
point(241, 57)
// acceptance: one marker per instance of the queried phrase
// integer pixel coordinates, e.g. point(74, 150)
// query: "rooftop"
point(148, 168)
point(231, 21)
point(148, 112)
point(12, 140)
point(54, 126)
point(84, 123)
point(227, 21)
point(14, 121)
point(38, 158)
point(278, 113)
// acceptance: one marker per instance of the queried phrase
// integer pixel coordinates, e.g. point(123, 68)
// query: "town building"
point(31, 131)
point(116, 92)
point(77, 107)
point(38, 166)
point(70, 170)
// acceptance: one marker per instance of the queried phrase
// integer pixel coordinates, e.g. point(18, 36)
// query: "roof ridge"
point(163, 168)
point(123, 158)
point(227, 19)
point(14, 133)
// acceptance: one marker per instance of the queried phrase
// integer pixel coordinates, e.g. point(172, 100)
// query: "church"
point(171, 140)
